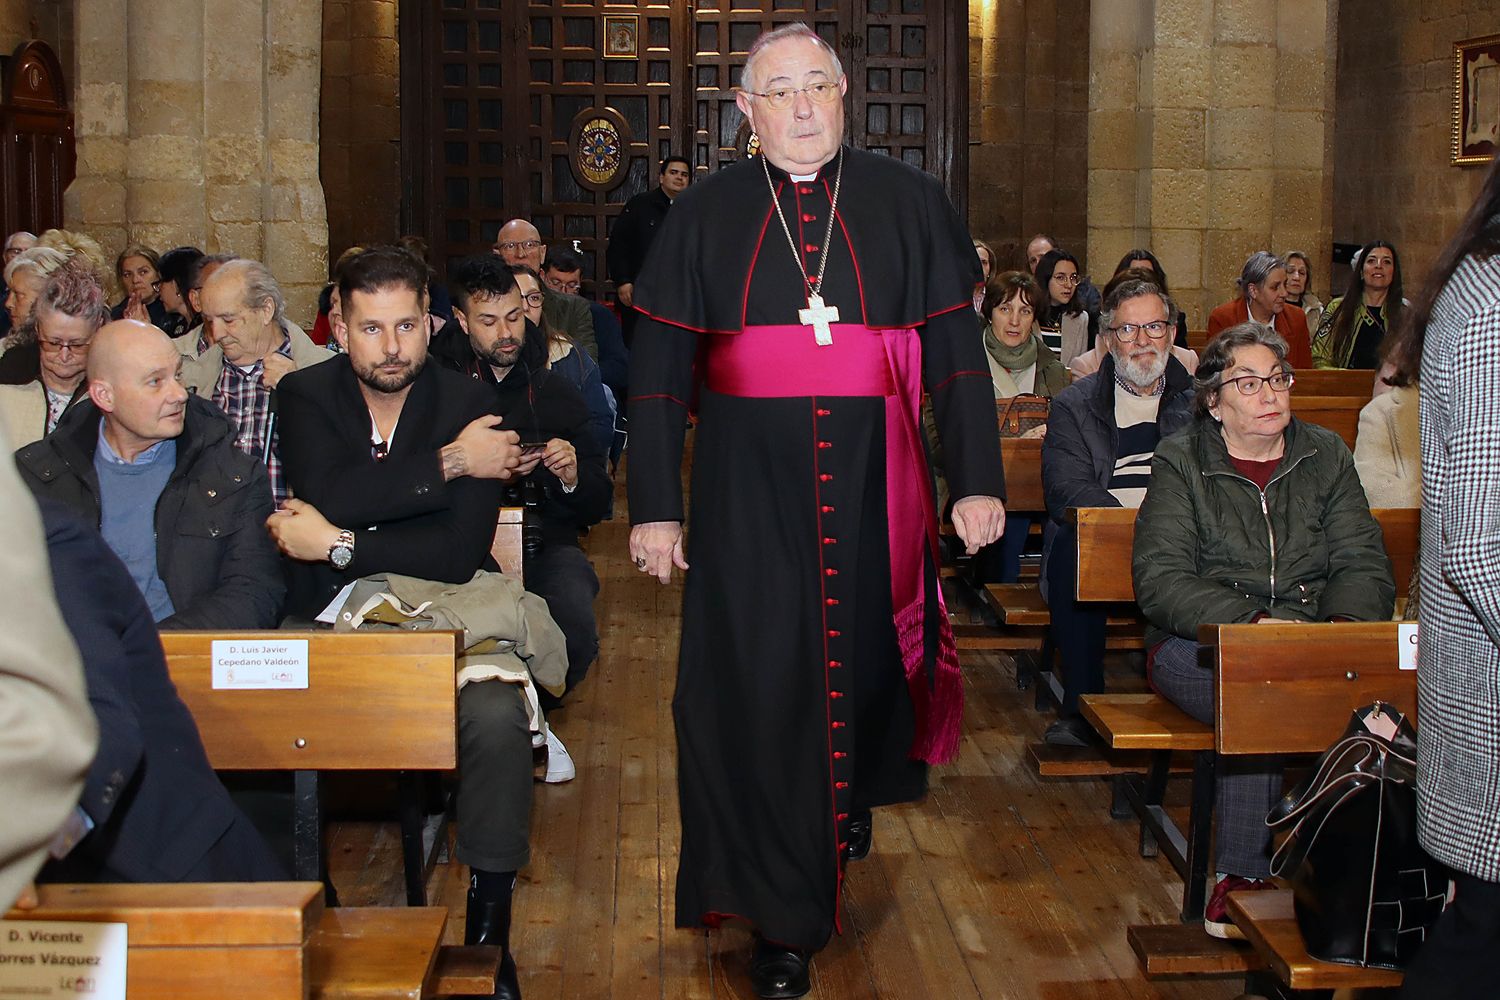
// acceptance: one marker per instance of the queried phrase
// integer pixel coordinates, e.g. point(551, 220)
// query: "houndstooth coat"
point(1458, 676)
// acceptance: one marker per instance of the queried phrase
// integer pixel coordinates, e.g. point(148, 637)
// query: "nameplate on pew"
point(259, 664)
point(54, 958)
point(1406, 639)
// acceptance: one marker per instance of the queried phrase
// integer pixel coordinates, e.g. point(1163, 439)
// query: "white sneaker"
point(559, 765)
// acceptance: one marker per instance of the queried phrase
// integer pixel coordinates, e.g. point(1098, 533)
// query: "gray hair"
point(1134, 289)
point(259, 286)
point(1257, 269)
point(1219, 355)
point(797, 29)
point(42, 261)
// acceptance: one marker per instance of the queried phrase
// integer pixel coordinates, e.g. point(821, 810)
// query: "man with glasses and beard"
point(1101, 434)
point(379, 439)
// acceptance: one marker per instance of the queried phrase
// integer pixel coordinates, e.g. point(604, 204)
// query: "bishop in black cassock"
point(805, 694)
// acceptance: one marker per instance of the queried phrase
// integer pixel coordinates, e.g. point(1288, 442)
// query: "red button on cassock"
point(841, 785)
point(831, 601)
point(825, 413)
point(834, 633)
point(827, 509)
point(805, 189)
point(825, 444)
point(809, 217)
point(839, 755)
point(842, 816)
point(830, 541)
point(835, 694)
point(810, 247)
point(825, 478)
point(830, 572)
point(839, 725)
point(835, 664)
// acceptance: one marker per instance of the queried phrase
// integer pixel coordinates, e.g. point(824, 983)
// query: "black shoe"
point(487, 921)
point(777, 972)
point(861, 836)
point(1071, 732)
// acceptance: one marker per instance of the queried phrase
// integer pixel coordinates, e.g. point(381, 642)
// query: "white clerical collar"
point(803, 178)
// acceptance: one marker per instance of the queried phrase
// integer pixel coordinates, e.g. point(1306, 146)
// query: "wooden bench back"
point(374, 700)
point(1353, 382)
point(219, 940)
point(1339, 414)
point(507, 549)
point(1106, 536)
point(1291, 688)
point(1023, 474)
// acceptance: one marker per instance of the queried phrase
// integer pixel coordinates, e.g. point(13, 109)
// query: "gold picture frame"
point(622, 36)
point(1476, 100)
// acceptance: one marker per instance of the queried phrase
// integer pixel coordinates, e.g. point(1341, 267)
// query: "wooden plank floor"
point(998, 885)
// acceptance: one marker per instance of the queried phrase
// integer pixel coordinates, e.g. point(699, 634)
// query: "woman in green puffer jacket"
point(1251, 515)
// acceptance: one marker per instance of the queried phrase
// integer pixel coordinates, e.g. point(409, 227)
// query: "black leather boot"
point(487, 921)
point(861, 835)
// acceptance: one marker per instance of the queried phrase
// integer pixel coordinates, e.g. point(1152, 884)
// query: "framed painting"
point(621, 35)
point(1476, 100)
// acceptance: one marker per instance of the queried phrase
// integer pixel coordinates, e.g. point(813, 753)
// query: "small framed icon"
point(622, 33)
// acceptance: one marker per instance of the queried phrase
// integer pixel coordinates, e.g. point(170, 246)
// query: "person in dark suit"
point(152, 809)
point(634, 230)
point(379, 439)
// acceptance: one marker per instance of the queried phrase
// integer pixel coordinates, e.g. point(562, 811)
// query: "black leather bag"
point(1365, 892)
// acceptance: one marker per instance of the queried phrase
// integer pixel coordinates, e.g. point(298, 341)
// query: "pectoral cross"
point(818, 316)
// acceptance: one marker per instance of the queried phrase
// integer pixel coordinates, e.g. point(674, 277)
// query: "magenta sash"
point(785, 361)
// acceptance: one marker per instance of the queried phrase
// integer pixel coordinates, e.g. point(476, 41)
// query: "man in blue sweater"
point(156, 470)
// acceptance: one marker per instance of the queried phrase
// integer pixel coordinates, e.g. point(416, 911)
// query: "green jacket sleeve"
point(1171, 592)
point(1322, 342)
point(1360, 585)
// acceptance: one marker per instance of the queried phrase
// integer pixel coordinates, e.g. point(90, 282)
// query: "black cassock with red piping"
point(797, 703)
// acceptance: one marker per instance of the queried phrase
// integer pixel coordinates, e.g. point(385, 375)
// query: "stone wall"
point(1210, 136)
point(1028, 123)
point(49, 20)
point(198, 124)
point(360, 160)
point(1395, 179)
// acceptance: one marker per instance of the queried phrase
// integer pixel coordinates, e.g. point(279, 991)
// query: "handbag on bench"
point(1365, 891)
point(1020, 414)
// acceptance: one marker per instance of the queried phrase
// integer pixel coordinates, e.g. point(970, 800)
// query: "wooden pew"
point(508, 549)
point(1339, 414)
point(271, 941)
point(1022, 458)
point(1356, 382)
point(1287, 690)
point(1106, 538)
point(383, 701)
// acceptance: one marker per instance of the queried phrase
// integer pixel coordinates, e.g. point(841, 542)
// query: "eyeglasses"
point(1249, 385)
point(511, 246)
point(1067, 279)
point(533, 298)
point(782, 97)
point(566, 287)
point(1156, 330)
point(62, 346)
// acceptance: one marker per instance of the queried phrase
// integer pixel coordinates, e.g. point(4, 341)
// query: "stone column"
point(198, 124)
point(1222, 146)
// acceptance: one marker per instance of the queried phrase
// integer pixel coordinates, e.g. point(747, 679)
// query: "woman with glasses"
point(1299, 287)
point(1065, 326)
point(1251, 515)
point(138, 269)
point(69, 310)
point(1263, 299)
point(1353, 330)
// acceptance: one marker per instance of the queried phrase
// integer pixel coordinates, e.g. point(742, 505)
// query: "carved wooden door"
point(36, 139)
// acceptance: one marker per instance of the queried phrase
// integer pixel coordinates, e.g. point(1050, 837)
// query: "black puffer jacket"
point(1212, 548)
point(212, 550)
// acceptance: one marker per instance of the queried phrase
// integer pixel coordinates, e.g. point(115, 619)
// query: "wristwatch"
point(341, 552)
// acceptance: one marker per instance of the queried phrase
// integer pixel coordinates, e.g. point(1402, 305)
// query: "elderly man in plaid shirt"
point(253, 346)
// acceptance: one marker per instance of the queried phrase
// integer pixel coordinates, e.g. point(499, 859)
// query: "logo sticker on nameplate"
point(56, 958)
point(1406, 652)
point(260, 664)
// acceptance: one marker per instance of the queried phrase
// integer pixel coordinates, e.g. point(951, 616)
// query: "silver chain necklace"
point(816, 315)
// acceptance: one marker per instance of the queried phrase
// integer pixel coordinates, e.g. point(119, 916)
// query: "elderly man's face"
point(1141, 357)
point(806, 134)
point(15, 245)
point(519, 243)
point(1035, 251)
point(244, 333)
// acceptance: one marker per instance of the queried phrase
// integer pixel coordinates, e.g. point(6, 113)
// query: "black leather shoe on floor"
point(1071, 732)
point(778, 973)
point(861, 836)
point(487, 921)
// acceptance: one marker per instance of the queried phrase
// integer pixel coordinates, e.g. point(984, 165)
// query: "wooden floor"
point(998, 885)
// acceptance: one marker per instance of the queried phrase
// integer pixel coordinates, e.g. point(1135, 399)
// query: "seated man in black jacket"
point(1101, 434)
point(569, 489)
point(395, 466)
point(156, 470)
point(152, 809)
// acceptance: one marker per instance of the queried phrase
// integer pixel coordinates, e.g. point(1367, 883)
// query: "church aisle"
point(998, 885)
